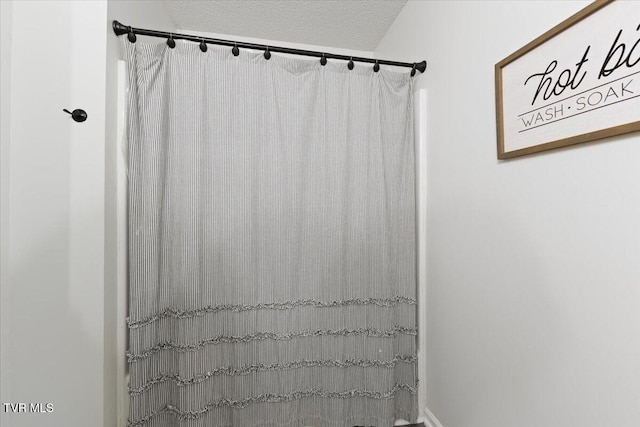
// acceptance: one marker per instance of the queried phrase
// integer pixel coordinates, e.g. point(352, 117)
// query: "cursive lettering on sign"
point(622, 59)
point(551, 83)
point(564, 80)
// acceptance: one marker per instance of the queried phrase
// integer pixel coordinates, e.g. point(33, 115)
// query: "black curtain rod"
point(131, 32)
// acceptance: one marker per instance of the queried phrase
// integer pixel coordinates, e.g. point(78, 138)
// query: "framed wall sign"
point(578, 82)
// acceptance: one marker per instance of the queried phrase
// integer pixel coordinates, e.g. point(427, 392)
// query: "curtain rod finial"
point(119, 29)
point(421, 66)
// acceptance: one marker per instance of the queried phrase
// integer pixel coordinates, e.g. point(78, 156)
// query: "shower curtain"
point(271, 240)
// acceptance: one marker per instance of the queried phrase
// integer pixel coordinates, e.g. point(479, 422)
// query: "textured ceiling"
point(349, 24)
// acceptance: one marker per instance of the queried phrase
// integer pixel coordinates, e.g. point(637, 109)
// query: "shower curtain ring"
point(235, 50)
point(170, 41)
point(413, 70)
point(376, 67)
point(350, 64)
point(323, 60)
point(203, 46)
point(130, 35)
point(267, 54)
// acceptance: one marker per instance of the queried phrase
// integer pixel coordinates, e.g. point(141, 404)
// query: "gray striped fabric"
point(271, 241)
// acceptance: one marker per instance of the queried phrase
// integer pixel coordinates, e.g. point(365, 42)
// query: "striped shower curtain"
point(271, 241)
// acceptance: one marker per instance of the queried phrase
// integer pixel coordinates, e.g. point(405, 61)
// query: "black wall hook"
point(78, 115)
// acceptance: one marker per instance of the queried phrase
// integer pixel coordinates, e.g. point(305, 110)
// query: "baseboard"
point(420, 422)
point(430, 420)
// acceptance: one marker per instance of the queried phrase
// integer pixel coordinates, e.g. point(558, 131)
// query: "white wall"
point(58, 202)
point(534, 263)
point(6, 15)
point(52, 212)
